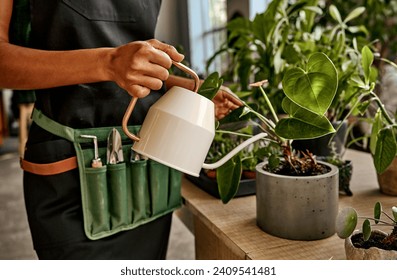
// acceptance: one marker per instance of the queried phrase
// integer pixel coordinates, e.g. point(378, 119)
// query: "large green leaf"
point(315, 88)
point(302, 124)
point(385, 150)
point(292, 128)
point(228, 178)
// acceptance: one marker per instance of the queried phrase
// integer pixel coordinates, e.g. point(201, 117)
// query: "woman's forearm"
point(137, 67)
point(24, 68)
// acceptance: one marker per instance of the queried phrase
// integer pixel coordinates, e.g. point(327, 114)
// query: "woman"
point(84, 59)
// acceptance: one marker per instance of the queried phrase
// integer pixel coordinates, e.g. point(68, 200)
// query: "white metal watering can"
point(179, 129)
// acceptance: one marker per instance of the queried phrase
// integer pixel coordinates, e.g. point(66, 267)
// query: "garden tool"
point(114, 152)
point(96, 161)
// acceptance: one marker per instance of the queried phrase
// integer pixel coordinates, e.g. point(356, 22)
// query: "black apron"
point(53, 202)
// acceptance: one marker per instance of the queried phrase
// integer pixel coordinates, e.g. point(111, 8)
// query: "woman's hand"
point(141, 66)
point(225, 102)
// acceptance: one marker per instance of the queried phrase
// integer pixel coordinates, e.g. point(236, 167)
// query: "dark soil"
point(376, 240)
point(310, 170)
point(297, 163)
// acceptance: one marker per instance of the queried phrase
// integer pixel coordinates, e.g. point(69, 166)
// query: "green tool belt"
point(120, 196)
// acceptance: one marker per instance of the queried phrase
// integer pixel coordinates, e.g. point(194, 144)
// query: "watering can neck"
point(235, 151)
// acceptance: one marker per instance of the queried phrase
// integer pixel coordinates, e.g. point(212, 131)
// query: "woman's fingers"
point(138, 91)
point(225, 102)
point(168, 49)
point(143, 64)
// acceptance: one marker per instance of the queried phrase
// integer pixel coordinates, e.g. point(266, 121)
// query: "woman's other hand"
point(225, 102)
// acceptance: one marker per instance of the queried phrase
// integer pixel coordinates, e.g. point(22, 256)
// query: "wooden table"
point(230, 231)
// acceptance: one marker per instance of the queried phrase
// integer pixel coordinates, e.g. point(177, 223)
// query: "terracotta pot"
point(388, 179)
point(373, 253)
point(297, 207)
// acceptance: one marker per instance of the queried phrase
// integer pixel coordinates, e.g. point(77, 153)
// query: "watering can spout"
point(233, 152)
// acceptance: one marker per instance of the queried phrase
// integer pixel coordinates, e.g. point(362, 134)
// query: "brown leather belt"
point(49, 168)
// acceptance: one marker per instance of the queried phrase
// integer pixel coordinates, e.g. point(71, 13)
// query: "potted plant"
point(309, 93)
point(369, 243)
point(382, 138)
point(345, 168)
point(282, 38)
point(304, 88)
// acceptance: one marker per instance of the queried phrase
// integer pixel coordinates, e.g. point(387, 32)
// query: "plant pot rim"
point(348, 241)
point(363, 253)
point(333, 170)
point(358, 231)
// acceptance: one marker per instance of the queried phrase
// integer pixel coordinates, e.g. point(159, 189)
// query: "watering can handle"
point(133, 101)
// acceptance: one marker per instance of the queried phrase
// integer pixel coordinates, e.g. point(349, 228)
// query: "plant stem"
point(268, 122)
point(382, 108)
point(269, 104)
point(390, 218)
point(379, 222)
point(234, 133)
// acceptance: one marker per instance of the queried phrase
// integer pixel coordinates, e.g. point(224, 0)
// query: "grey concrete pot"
point(299, 208)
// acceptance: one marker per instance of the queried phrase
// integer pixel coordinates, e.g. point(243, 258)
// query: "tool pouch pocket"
point(122, 196)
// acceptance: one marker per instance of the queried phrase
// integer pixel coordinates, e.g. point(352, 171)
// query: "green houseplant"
point(368, 243)
point(282, 38)
point(309, 93)
point(382, 137)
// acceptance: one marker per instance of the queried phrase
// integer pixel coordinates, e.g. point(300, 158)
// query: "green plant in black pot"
point(345, 169)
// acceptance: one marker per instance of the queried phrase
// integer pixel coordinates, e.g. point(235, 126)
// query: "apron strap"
point(72, 134)
point(49, 168)
point(52, 126)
